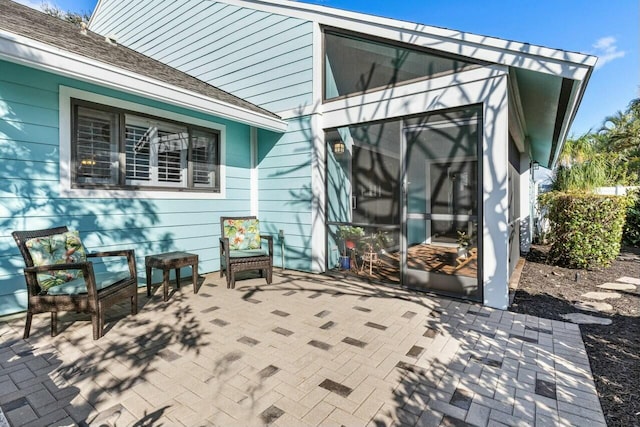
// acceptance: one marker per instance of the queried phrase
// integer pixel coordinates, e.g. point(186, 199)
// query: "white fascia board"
point(468, 87)
point(25, 51)
point(571, 65)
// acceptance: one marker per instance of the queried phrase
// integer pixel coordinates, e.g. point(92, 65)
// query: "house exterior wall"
point(262, 57)
point(31, 196)
point(285, 199)
point(265, 58)
point(291, 181)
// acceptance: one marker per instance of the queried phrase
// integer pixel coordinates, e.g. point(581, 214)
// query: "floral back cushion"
point(242, 234)
point(57, 249)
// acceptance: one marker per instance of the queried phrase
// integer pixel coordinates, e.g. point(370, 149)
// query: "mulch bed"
point(614, 351)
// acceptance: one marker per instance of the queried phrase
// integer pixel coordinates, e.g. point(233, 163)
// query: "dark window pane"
point(96, 147)
point(204, 155)
point(354, 64)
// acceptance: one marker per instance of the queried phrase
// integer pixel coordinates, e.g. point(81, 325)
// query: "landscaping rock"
point(618, 286)
point(585, 319)
point(630, 280)
point(593, 306)
point(601, 296)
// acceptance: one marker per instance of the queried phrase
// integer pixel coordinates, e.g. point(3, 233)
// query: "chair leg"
point(148, 281)
point(54, 323)
point(134, 303)
point(269, 275)
point(27, 325)
point(95, 322)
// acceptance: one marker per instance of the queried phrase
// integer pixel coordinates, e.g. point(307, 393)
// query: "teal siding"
point(262, 57)
point(30, 186)
point(285, 190)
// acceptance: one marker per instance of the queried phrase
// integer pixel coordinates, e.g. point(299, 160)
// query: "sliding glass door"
point(402, 201)
point(442, 193)
point(363, 195)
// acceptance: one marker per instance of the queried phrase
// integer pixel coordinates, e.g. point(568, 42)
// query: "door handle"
point(354, 203)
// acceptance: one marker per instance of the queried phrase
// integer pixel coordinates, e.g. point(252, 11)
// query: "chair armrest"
point(269, 239)
point(87, 274)
point(224, 245)
point(128, 253)
point(55, 267)
point(102, 254)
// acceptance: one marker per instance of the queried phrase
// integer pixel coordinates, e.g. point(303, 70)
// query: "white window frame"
point(65, 134)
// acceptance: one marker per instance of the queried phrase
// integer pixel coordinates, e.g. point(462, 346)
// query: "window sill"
point(104, 193)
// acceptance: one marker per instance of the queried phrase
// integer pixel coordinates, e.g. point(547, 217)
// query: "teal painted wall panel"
point(264, 58)
point(29, 95)
point(285, 200)
point(27, 150)
point(30, 191)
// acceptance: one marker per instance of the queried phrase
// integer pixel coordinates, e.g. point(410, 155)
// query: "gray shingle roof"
point(39, 26)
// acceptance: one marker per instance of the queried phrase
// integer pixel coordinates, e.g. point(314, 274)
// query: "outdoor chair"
point(241, 248)
point(59, 278)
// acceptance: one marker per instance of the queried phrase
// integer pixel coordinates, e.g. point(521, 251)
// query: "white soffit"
point(35, 54)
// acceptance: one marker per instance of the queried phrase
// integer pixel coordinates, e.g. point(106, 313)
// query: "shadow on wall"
point(29, 200)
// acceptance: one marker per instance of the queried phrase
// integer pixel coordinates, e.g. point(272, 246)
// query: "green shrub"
point(586, 229)
point(631, 231)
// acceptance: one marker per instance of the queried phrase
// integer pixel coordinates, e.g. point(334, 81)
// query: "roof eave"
point(29, 52)
point(572, 110)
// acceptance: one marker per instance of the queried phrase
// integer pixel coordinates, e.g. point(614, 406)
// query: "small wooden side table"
point(167, 262)
point(371, 258)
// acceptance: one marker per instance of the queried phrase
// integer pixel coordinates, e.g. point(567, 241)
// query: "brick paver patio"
point(306, 350)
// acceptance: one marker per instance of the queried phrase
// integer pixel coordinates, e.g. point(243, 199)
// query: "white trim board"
point(66, 93)
point(35, 54)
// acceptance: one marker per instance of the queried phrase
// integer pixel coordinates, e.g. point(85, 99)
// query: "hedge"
point(586, 229)
point(631, 232)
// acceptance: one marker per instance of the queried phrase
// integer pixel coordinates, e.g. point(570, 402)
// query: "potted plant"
point(349, 236)
point(377, 241)
point(464, 242)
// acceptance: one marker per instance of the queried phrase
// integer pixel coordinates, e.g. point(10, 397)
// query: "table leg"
point(165, 283)
point(178, 278)
point(194, 272)
point(148, 281)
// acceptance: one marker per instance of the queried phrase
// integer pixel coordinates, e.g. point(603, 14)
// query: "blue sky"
point(607, 29)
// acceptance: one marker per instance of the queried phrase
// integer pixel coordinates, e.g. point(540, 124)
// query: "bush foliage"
point(586, 229)
point(631, 232)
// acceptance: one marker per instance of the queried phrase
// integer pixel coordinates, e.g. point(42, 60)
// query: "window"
point(116, 148)
point(354, 64)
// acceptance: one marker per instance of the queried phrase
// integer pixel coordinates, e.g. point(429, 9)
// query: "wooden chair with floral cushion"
point(241, 248)
point(59, 277)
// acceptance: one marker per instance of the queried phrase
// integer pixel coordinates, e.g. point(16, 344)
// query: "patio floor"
point(306, 350)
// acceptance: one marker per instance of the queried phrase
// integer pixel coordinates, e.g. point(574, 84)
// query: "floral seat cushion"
point(242, 234)
point(61, 248)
